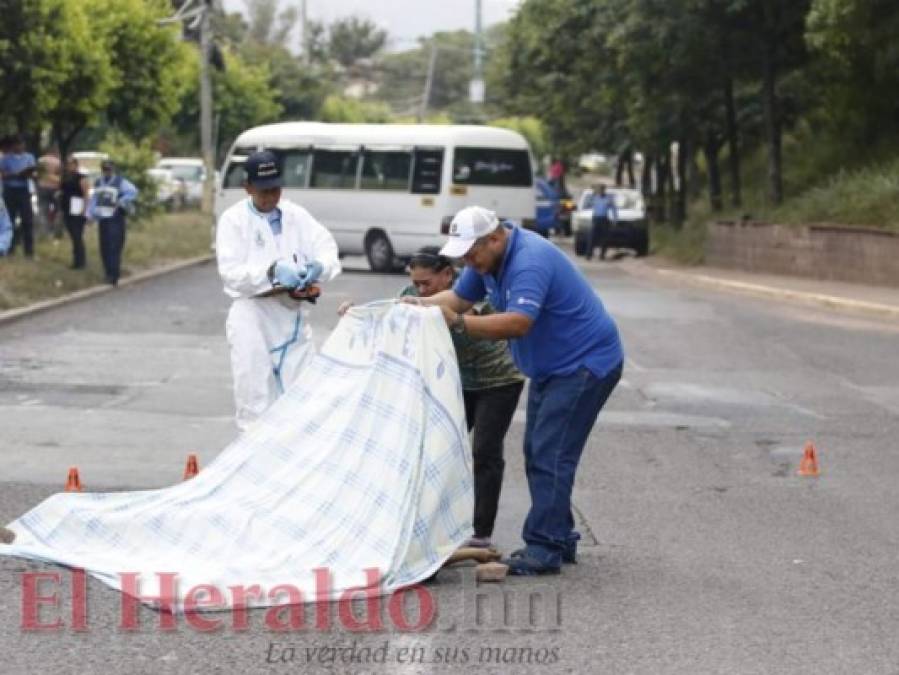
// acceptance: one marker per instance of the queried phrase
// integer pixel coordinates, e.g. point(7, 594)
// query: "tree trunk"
point(663, 175)
point(646, 175)
point(733, 144)
point(64, 141)
point(646, 187)
point(711, 149)
point(772, 123)
point(625, 163)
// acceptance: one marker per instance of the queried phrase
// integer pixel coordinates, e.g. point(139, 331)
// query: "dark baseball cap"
point(262, 170)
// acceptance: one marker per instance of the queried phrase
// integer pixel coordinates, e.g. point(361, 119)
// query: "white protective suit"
point(269, 337)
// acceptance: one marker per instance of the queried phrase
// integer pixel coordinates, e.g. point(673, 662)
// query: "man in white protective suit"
point(269, 251)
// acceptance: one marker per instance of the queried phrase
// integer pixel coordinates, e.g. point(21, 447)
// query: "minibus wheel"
point(379, 252)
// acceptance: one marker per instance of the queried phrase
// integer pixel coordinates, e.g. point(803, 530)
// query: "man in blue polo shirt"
point(562, 338)
point(17, 168)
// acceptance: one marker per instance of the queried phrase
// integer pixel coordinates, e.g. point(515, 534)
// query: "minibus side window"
point(235, 174)
point(427, 171)
point(334, 169)
point(492, 166)
point(294, 166)
point(386, 170)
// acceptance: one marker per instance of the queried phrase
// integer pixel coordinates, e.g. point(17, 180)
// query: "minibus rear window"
point(427, 171)
point(492, 166)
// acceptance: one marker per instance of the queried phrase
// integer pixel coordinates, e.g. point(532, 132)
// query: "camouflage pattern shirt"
point(483, 364)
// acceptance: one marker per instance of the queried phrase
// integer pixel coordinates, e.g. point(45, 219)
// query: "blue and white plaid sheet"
point(365, 463)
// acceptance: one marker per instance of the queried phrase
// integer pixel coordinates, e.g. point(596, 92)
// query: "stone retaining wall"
point(817, 251)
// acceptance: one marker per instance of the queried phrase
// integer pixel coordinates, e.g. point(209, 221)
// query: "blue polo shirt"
point(14, 163)
point(571, 327)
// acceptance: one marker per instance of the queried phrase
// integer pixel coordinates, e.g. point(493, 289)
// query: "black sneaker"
point(569, 555)
point(526, 566)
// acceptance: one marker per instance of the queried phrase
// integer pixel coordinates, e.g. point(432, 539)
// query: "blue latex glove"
point(311, 273)
point(286, 274)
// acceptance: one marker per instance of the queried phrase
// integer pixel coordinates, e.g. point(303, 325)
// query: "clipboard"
point(310, 293)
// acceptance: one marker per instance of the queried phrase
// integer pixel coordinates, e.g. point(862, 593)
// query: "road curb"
point(761, 290)
point(29, 310)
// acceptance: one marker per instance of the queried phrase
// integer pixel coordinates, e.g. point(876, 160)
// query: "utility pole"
point(197, 14)
point(476, 88)
point(429, 82)
point(206, 107)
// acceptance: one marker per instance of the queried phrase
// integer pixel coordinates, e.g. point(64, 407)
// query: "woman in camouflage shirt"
point(491, 385)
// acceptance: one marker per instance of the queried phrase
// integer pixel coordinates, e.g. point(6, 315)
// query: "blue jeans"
point(112, 241)
point(561, 412)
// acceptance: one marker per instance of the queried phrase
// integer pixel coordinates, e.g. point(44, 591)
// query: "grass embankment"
point(823, 183)
point(152, 243)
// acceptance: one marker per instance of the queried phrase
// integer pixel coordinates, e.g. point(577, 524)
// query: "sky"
point(404, 20)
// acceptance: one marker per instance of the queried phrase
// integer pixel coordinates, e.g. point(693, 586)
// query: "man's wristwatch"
point(459, 324)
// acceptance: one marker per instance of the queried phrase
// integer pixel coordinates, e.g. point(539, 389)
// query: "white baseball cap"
point(467, 226)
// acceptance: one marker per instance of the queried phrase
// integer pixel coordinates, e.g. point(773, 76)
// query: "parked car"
point(592, 162)
point(170, 191)
point(553, 210)
point(631, 231)
point(190, 170)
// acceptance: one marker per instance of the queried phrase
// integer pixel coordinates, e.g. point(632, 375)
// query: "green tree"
point(149, 61)
point(352, 39)
point(89, 79)
point(243, 96)
point(340, 109)
point(266, 25)
point(33, 47)
point(856, 39)
point(403, 74)
point(133, 159)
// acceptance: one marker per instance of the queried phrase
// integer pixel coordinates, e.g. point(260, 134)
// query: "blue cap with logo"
point(262, 170)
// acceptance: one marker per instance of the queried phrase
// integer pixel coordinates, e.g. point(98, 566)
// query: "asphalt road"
point(704, 552)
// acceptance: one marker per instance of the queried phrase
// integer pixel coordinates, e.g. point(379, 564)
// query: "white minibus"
point(386, 190)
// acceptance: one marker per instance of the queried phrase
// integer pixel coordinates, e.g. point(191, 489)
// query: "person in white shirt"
point(266, 246)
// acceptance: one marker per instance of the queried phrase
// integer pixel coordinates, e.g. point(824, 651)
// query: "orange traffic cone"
point(192, 468)
point(73, 484)
point(809, 464)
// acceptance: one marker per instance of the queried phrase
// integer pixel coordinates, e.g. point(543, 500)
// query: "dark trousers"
point(598, 236)
point(489, 412)
point(112, 241)
point(18, 204)
point(75, 228)
point(561, 413)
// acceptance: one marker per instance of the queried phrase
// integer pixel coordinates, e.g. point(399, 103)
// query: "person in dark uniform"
point(111, 201)
point(74, 191)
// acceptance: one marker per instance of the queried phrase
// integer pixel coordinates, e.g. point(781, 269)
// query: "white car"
point(170, 191)
point(191, 172)
point(630, 231)
point(592, 162)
